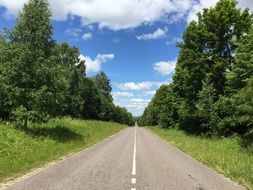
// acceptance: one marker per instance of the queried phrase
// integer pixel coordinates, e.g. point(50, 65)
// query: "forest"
point(212, 89)
point(41, 79)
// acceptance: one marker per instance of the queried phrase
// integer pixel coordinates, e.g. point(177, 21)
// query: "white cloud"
point(13, 7)
point(122, 94)
point(95, 65)
point(123, 14)
point(137, 103)
point(149, 92)
point(116, 15)
point(197, 7)
point(74, 32)
point(245, 3)
point(173, 40)
point(158, 34)
point(165, 67)
point(147, 85)
point(134, 105)
point(87, 36)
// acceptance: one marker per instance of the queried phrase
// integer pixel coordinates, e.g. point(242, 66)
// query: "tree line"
point(212, 88)
point(42, 79)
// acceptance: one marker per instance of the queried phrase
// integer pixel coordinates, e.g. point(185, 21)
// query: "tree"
point(206, 109)
point(34, 29)
point(207, 50)
point(40, 79)
point(242, 69)
point(73, 97)
point(103, 84)
point(239, 103)
point(4, 109)
point(92, 97)
point(167, 116)
point(28, 71)
point(161, 110)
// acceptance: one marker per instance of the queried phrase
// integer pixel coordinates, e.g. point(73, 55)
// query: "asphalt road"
point(133, 159)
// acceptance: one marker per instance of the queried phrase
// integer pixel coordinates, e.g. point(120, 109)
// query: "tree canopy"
point(211, 92)
point(40, 79)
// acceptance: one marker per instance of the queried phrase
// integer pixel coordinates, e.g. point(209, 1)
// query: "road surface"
point(133, 159)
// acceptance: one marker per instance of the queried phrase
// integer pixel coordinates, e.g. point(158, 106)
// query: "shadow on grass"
point(58, 133)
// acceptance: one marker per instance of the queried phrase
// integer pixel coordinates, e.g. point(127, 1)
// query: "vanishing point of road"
point(133, 159)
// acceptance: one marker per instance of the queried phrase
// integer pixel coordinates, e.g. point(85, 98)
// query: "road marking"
point(133, 180)
point(133, 189)
point(134, 155)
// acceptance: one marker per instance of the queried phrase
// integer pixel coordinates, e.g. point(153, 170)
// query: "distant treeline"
point(212, 89)
point(40, 79)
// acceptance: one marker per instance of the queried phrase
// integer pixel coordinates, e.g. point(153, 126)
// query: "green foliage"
point(22, 115)
point(248, 140)
point(243, 113)
point(206, 111)
point(161, 110)
point(103, 84)
point(242, 69)
point(40, 79)
point(27, 65)
point(207, 51)
point(92, 107)
point(212, 86)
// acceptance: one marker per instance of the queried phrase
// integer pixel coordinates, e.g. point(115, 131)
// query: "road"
point(134, 159)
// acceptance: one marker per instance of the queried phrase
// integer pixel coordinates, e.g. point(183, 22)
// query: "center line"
point(134, 155)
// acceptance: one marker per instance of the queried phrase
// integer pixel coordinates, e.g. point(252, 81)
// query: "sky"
point(132, 41)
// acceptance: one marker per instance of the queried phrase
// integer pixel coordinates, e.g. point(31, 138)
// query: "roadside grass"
point(225, 155)
point(22, 150)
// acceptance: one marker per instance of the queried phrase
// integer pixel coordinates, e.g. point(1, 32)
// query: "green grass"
point(225, 155)
point(22, 150)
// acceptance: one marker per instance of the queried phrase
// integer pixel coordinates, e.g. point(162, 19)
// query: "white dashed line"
point(134, 161)
point(134, 155)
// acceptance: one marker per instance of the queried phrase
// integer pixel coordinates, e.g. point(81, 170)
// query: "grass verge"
point(225, 155)
point(22, 150)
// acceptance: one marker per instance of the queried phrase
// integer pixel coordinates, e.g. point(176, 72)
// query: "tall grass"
point(225, 155)
point(22, 150)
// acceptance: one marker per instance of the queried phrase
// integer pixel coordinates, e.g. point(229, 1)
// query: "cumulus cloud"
point(95, 65)
point(137, 103)
point(13, 7)
point(123, 14)
point(87, 36)
point(147, 85)
point(245, 3)
point(158, 34)
point(122, 94)
point(116, 15)
point(149, 92)
point(173, 40)
point(134, 105)
point(165, 67)
point(198, 6)
point(74, 32)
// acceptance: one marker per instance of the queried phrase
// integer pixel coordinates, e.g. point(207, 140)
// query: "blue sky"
point(133, 42)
